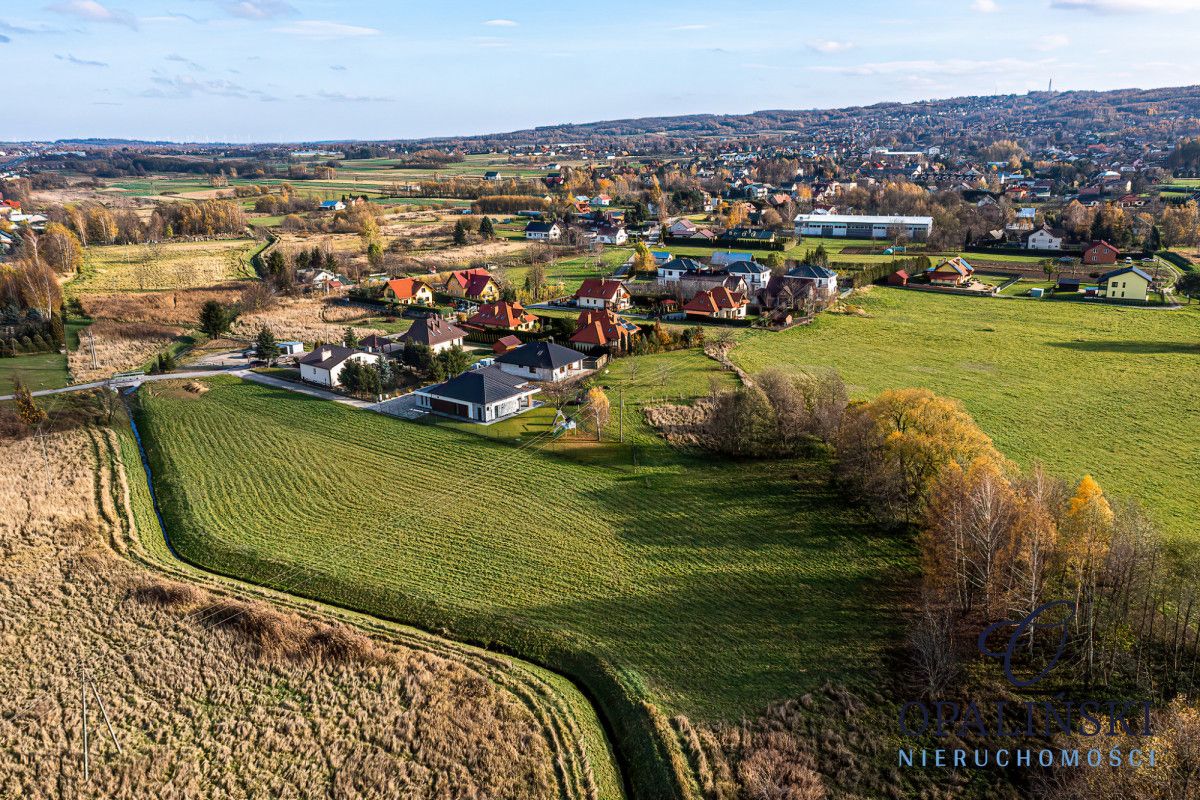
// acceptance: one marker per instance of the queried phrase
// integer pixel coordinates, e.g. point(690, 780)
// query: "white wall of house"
point(1043, 240)
point(329, 377)
point(541, 374)
point(440, 346)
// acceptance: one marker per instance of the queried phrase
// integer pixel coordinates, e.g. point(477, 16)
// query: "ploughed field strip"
point(717, 588)
point(1082, 388)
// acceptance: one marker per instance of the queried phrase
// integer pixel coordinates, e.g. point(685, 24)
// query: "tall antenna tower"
point(1050, 88)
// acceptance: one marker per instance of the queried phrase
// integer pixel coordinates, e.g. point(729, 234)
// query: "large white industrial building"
point(860, 226)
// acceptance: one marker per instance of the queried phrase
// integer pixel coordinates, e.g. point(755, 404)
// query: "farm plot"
point(1082, 388)
point(711, 588)
point(169, 265)
point(310, 693)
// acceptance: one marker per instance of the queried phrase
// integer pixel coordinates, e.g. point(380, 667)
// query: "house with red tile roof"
point(718, 303)
point(602, 328)
point(503, 316)
point(459, 281)
point(601, 293)
point(408, 291)
point(951, 272)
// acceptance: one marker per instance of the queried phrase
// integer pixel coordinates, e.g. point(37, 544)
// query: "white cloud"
point(985, 6)
point(501, 23)
point(829, 46)
point(1126, 6)
point(922, 69)
point(326, 29)
point(79, 62)
point(93, 11)
point(342, 97)
point(185, 86)
point(695, 26)
point(258, 9)
point(1052, 41)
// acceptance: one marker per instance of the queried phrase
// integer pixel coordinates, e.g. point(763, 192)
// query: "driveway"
point(404, 407)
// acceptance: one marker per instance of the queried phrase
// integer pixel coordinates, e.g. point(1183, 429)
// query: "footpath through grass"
point(1083, 388)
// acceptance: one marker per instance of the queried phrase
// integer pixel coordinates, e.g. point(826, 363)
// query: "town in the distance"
point(838, 453)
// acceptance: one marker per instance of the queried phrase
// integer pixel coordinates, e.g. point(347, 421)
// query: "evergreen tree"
point(349, 337)
point(27, 409)
point(350, 378)
point(486, 229)
point(215, 318)
point(265, 346)
point(460, 233)
point(454, 361)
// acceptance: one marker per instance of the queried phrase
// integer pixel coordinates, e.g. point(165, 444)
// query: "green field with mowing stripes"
point(1080, 387)
point(714, 589)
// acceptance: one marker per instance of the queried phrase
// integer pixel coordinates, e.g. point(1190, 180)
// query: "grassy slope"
point(1083, 388)
point(716, 587)
point(555, 700)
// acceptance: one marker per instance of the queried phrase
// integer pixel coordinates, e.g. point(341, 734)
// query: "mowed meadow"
point(712, 589)
point(1082, 388)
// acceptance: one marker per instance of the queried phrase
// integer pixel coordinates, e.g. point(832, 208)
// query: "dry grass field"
point(218, 695)
point(171, 265)
point(119, 346)
point(180, 307)
point(304, 320)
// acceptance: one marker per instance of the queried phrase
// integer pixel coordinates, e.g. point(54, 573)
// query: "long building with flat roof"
point(862, 226)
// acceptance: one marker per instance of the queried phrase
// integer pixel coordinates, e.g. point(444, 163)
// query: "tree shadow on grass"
point(1135, 348)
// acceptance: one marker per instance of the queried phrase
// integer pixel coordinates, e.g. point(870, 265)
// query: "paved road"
point(302, 388)
point(168, 376)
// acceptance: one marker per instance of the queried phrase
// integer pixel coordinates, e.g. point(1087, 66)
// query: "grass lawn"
point(1080, 387)
point(38, 370)
point(171, 265)
point(712, 589)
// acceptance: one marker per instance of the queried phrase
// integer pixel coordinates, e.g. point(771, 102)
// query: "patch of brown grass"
point(180, 307)
point(304, 319)
point(119, 346)
point(253, 702)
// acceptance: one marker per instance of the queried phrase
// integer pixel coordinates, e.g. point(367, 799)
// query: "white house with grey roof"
point(542, 361)
point(324, 364)
point(482, 395)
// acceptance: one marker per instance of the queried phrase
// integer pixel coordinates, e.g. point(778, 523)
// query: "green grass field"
point(712, 588)
point(38, 370)
point(1080, 387)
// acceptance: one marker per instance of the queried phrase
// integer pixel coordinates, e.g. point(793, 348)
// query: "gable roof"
point(405, 288)
point(476, 284)
point(463, 276)
point(600, 289)
point(710, 301)
point(432, 330)
point(543, 355)
point(720, 259)
point(601, 326)
point(327, 356)
point(540, 227)
point(685, 264)
point(1104, 244)
point(957, 264)
point(483, 386)
point(1123, 270)
point(501, 315)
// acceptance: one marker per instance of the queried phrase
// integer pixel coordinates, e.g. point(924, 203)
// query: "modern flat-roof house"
point(598, 293)
point(862, 226)
point(481, 395)
point(434, 332)
point(324, 364)
point(542, 361)
point(1127, 283)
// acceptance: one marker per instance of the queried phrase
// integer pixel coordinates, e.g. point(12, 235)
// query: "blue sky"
point(294, 70)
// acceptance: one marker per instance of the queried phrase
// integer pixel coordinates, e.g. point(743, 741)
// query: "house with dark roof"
point(756, 275)
point(1127, 283)
point(503, 316)
point(705, 281)
point(543, 231)
point(718, 303)
point(725, 258)
point(542, 361)
point(823, 279)
point(480, 395)
point(435, 333)
point(325, 363)
point(600, 293)
point(676, 268)
point(374, 343)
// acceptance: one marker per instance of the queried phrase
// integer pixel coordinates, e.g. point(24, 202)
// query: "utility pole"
point(92, 342)
point(104, 711)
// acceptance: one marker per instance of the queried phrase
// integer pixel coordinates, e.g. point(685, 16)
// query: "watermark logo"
point(1028, 626)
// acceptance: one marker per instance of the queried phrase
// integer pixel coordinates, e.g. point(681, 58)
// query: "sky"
point(311, 70)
